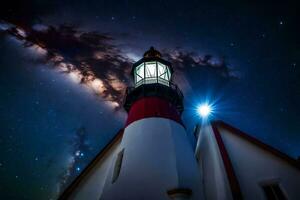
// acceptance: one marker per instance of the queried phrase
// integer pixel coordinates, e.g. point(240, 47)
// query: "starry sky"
point(65, 66)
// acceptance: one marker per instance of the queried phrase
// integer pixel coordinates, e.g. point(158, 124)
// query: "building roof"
point(233, 181)
point(68, 191)
point(258, 143)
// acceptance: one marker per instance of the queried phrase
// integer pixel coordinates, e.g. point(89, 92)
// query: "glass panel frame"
point(139, 73)
point(152, 72)
point(150, 69)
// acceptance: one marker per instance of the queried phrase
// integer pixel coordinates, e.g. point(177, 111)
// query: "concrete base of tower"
point(154, 158)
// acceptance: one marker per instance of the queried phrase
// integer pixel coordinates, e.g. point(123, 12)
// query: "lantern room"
point(152, 69)
point(152, 77)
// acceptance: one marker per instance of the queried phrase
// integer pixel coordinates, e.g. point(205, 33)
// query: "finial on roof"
point(152, 53)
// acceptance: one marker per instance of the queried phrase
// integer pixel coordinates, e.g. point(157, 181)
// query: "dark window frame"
point(273, 191)
point(118, 166)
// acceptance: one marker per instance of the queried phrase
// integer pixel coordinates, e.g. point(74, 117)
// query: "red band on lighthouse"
point(152, 107)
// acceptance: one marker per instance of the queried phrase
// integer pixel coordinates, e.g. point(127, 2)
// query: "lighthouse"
point(152, 158)
point(155, 159)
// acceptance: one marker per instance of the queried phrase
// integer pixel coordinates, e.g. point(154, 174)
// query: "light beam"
point(204, 110)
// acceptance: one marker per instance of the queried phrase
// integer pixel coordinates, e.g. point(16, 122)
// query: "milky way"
point(91, 59)
point(66, 65)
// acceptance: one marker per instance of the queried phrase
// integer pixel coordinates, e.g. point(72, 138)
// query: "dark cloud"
point(199, 70)
point(88, 57)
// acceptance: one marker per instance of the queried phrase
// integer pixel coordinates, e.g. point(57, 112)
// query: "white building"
point(152, 158)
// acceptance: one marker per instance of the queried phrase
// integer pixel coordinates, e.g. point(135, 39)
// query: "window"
point(150, 69)
point(152, 72)
point(273, 192)
point(163, 72)
point(117, 167)
point(139, 73)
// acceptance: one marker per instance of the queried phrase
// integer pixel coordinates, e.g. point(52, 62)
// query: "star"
point(281, 22)
point(77, 153)
point(112, 18)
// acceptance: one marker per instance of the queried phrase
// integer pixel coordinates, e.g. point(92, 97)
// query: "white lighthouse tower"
point(155, 159)
point(152, 159)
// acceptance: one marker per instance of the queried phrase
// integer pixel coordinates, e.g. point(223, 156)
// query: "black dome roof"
point(152, 53)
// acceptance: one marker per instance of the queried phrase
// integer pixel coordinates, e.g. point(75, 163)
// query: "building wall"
point(91, 186)
point(254, 166)
point(214, 177)
point(157, 157)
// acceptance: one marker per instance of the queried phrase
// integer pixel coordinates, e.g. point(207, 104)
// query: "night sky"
point(65, 66)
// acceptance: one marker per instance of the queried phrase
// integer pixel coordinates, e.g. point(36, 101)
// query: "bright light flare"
point(204, 110)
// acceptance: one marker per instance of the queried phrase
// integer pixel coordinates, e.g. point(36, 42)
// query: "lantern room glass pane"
point(152, 72)
point(139, 73)
point(169, 73)
point(150, 69)
point(163, 71)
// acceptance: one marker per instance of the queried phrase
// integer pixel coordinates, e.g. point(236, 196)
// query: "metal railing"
point(171, 92)
point(168, 84)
